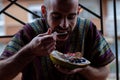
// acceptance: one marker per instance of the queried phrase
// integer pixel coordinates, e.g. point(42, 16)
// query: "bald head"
point(60, 2)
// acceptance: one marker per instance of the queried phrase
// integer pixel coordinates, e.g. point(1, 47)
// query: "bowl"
point(68, 62)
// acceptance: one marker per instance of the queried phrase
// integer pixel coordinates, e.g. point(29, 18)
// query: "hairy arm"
point(11, 66)
point(91, 73)
point(41, 45)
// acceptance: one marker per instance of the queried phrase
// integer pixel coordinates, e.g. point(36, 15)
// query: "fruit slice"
point(68, 61)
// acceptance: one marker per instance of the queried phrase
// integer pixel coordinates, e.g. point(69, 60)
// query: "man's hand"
point(67, 71)
point(90, 73)
point(43, 44)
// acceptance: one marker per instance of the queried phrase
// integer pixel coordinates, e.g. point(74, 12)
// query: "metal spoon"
point(60, 34)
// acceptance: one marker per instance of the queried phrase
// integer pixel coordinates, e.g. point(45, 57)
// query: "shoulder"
point(84, 25)
point(39, 25)
point(84, 21)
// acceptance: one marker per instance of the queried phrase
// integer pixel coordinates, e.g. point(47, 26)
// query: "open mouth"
point(62, 35)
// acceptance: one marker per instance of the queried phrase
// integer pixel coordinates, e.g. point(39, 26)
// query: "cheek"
point(73, 24)
point(51, 23)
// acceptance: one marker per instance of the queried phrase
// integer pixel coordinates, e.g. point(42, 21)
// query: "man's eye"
point(56, 17)
point(71, 17)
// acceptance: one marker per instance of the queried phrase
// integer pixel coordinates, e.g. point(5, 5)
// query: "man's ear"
point(43, 10)
point(79, 10)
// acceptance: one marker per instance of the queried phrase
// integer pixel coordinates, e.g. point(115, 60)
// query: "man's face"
point(62, 16)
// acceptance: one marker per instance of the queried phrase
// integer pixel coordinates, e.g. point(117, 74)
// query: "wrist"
point(24, 55)
point(85, 71)
point(27, 51)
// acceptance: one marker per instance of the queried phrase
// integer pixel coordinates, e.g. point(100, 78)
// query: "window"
point(2, 29)
point(93, 5)
point(110, 9)
point(110, 18)
point(36, 9)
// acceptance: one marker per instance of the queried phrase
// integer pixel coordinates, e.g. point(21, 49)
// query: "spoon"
point(60, 34)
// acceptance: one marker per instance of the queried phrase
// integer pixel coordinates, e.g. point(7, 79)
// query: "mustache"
point(57, 28)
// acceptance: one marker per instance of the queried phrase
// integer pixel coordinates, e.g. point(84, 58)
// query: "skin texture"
point(61, 16)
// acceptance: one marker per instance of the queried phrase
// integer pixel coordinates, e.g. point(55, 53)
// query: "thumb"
point(49, 31)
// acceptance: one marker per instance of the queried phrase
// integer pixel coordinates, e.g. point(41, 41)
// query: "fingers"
point(44, 43)
point(49, 48)
point(47, 39)
point(49, 31)
point(76, 70)
point(61, 69)
point(67, 71)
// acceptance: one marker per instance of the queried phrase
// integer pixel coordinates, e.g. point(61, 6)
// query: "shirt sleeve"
point(97, 49)
point(24, 36)
point(18, 41)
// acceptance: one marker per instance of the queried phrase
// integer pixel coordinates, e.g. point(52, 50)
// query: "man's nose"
point(64, 23)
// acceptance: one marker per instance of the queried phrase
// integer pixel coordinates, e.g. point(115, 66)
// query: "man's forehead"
point(63, 1)
point(61, 4)
point(63, 7)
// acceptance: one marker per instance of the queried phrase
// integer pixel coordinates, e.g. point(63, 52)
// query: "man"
point(28, 51)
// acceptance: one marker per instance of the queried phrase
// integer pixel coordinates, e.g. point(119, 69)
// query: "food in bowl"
point(69, 60)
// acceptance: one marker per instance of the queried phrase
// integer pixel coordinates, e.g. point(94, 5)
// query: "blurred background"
point(10, 25)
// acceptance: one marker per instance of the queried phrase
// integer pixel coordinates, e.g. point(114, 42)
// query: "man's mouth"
point(62, 35)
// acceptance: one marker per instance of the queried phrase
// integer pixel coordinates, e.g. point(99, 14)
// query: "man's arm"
point(91, 73)
point(11, 66)
point(41, 45)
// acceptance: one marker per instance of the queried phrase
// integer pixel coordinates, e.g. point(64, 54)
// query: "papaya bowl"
point(69, 61)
